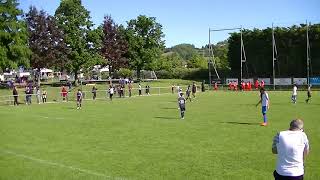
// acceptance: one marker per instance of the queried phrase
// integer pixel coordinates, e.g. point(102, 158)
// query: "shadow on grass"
point(161, 117)
point(240, 123)
point(168, 108)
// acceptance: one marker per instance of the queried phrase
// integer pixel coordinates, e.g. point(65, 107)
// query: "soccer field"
point(143, 138)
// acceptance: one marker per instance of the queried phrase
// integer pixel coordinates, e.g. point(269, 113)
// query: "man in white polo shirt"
point(292, 146)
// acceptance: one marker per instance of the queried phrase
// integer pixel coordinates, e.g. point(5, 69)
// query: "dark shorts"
point(309, 95)
point(110, 95)
point(279, 177)
point(264, 109)
point(182, 107)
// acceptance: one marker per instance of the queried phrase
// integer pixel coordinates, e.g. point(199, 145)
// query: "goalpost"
point(308, 55)
point(275, 55)
point(211, 60)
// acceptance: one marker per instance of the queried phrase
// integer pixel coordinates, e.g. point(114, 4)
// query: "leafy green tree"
point(144, 36)
point(125, 73)
point(291, 47)
point(197, 61)
point(84, 42)
point(168, 61)
point(14, 50)
point(186, 51)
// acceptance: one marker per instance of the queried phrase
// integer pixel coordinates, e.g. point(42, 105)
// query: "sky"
point(188, 21)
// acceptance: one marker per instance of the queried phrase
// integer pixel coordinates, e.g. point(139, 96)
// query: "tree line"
point(291, 59)
point(69, 41)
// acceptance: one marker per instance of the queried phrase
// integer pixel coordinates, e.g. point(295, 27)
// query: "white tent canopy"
point(45, 70)
point(98, 68)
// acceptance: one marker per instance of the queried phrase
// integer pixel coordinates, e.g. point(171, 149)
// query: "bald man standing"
point(291, 146)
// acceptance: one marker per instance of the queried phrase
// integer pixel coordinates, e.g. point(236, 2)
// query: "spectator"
point(38, 94)
point(292, 146)
point(130, 88)
point(202, 87)
point(147, 89)
point(15, 96)
point(94, 92)
point(28, 92)
point(44, 96)
point(140, 89)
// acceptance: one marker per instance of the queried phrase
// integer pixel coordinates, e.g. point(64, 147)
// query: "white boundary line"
point(85, 171)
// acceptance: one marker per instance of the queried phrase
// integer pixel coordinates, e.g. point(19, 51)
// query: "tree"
point(114, 45)
point(14, 50)
point(46, 41)
point(144, 36)
point(197, 61)
point(168, 61)
point(186, 51)
point(84, 42)
point(291, 47)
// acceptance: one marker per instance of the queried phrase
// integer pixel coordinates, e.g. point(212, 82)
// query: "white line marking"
point(46, 117)
point(85, 171)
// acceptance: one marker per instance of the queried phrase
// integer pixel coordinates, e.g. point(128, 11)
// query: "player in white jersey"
point(294, 94)
point(111, 92)
point(264, 100)
point(79, 99)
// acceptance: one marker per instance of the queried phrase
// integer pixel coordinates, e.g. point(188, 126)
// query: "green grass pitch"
point(143, 138)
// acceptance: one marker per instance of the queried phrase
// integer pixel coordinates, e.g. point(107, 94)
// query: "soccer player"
point(188, 92)
point(216, 86)
point(308, 94)
point(94, 92)
point(243, 86)
point(111, 92)
point(15, 96)
point(79, 99)
point(64, 93)
point(194, 89)
point(250, 86)
point(264, 100)
point(262, 84)
point(294, 94)
point(182, 105)
point(44, 96)
point(256, 84)
point(230, 85)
